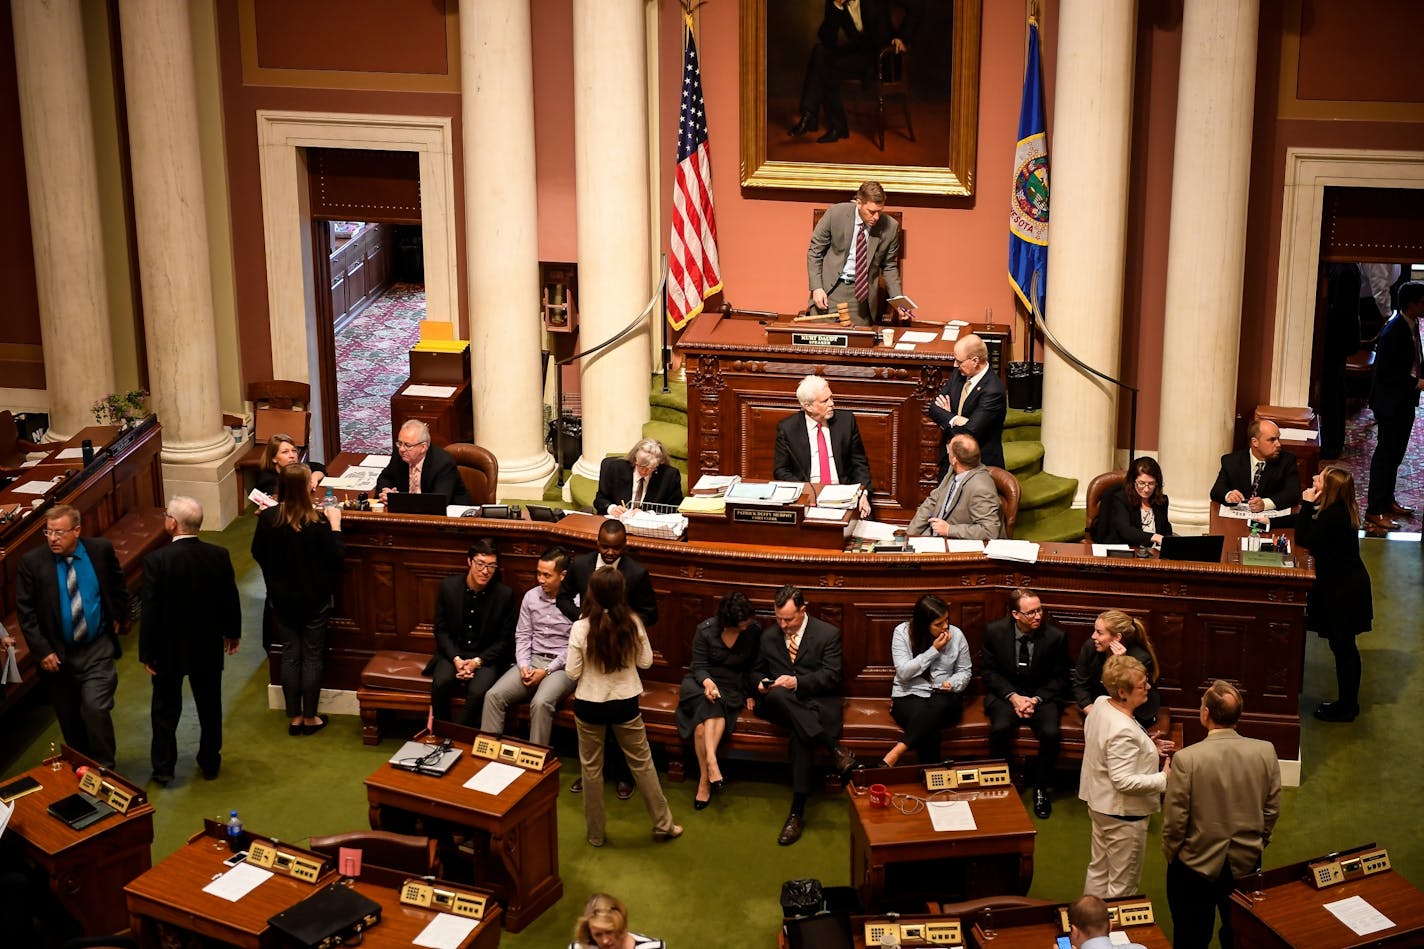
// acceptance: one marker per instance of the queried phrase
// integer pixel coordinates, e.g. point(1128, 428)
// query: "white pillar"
point(502, 241)
point(614, 234)
point(63, 187)
point(1089, 159)
point(174, 267)
point(1205, 260)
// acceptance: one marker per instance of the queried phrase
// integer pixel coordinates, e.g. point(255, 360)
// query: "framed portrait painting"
point(835, 92)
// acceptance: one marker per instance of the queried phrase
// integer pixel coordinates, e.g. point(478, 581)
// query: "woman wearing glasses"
point(643, 476)
point(1136, 515)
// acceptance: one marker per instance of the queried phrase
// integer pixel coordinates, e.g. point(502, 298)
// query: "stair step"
point(673, 437)
point(675, 398)
point(1018, 418)
point(1045, 490)
point(673, 416)
point(1023, 458)
point(1058, 527)
point(582, 490)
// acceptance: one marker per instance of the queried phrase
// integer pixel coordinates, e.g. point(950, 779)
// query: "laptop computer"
point(403, 502)
point(421, 758)
point(1202, 549)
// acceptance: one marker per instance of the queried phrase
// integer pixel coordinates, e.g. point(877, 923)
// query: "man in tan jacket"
point(1223, 798)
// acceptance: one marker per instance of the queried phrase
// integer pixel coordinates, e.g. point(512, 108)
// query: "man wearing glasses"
point(1025, 670)
point(71, 599)
point(422, 468)
point(973, 401)
point(474, 635)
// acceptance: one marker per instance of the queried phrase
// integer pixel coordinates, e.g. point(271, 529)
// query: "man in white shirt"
point(819, 444)
point(973, 402)
point(1088, 925)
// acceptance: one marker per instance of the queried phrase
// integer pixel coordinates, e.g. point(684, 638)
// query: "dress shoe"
point(791, 830)
point(1042, 806)
point(663, 836)
point(595, 841)
point(844, 760)
point(1381, 521)
point(700, 805)
point(577, 788)
point(1399, 510)
point(163, 779)
point(624, 790)
point(834, 134)
point(297, 729)
point(321, 722)
point(717, 786)
point(1336, 712)
point(807, 123)
point(210, 774)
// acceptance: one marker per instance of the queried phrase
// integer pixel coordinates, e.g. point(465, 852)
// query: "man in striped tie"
point(71, 599)
point(852, 247)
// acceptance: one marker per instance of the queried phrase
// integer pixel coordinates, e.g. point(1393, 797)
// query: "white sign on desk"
point(446, 931)
point(494, 777)
point(430, 392)
point(238, 882)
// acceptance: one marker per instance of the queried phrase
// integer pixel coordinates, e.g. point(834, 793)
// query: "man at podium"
point(819, 444)
point(852, 247)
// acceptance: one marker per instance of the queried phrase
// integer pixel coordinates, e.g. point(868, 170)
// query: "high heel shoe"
point(700, 805)
point(663, 836)
point(717, 786)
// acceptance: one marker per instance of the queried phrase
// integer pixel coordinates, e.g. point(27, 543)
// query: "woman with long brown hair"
point(1115, 634)
point(1340, 604)
point(300, 550)
point(932, 668)
point(607, 647)
point(1137, 514)
point(280, 451)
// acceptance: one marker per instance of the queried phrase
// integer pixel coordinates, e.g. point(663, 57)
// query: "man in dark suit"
point(1024, 665)
point(966, 503)
point(71, 600)
point(974, 402)
point(848, 45)
point(612, 540)
point(1264, 476)
point(1394, 398)
point(852, 247)
point(435, 472)
point(799, 688)
point(643, 476)
point(819, 444)
point(192, 617)
point(474, 635)
point(1223, 798)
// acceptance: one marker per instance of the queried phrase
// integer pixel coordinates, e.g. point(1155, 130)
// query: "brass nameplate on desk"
point(1126, 913)
point(522, 756)
point(780, 516)
point(939, 932)
point(810, 338)
point(946, 932)
point(1329, 872)
point(264, 855)
point(116, 797)
point(486, 747)
point(458, 902)
point(947, 779)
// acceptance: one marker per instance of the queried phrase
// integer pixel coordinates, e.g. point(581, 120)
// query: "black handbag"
point(801, 898)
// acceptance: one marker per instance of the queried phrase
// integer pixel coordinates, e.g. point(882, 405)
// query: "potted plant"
point(125, 409)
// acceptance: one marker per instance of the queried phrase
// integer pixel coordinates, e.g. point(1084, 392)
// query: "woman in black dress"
point(718, 686)
point(1136, 515)
point(1339, 606)
point(279, 452)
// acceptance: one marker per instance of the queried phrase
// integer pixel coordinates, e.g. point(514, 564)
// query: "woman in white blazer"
point(1119, 780)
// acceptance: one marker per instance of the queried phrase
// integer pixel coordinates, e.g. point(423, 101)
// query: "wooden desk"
point(400, 924)
point(1291, 912)
point(997, 857)
point(516, 831)
point(739, 386)
point(451, 418)
point(87, 868)
point(1041, 934)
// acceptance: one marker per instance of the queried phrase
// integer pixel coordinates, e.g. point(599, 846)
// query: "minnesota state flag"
point(1028, 206)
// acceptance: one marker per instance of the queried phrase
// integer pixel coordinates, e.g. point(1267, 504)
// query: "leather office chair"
point(1009, 492)
point(969, 910)
point(418, 856)
point(1097, 490)
point(279, 406)
point(13, 448)
point(478, 468)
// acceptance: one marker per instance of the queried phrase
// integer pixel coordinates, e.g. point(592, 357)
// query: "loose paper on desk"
point(710, 483)
point(964, 545)
point(354, 479)
point(836, 514)
point(1298, 434)
point(5, 811)
point(446, 931)
point(838, 495)
point(905, 347)
point(1359, 915)
point(928, 545)
point(1241, 512)
point(916, 336)
point(68, 453)
point(692, 504)
point(951, 815)
point(950, 334)
point(34, 487)
point(430, 392)
point(494, 777)
point(238, 882)
point(1019, 551)
point(876, 530)
point(374, 461)
point(1101, 550)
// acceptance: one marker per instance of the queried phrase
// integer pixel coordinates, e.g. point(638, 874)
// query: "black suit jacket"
point(1120, 523)
point(439, 475)
point(818, 661)
point(494, 642)
point(1280, 479)
point(1047, 673)
point(190, 605)
point(640, 586)
point(984, 413)
point(1394, 391)
point(793, 449)
point(1340, 600)
point(37, 597)
point(615, 485)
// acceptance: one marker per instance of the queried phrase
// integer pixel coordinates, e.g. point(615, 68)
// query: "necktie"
point(862, 266)
point(79, 626)
point(415, 478)
point(949, 501)
point(791, 648)
point(1023, 654)
point(963, 396)
point(638, 491)
point(824, 474)
point(1256, 477)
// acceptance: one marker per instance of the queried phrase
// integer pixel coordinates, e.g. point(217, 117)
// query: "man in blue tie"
point(966, 503)
point(71, 599)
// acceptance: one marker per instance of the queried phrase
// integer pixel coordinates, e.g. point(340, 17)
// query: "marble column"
point(502, 240)
point(614, 234)
point(171, 218)
point(63, 188)
point(1088, 161)
point(1210, 178)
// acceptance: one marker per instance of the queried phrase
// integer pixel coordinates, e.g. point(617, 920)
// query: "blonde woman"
point(604, 925)
point(1115, 634)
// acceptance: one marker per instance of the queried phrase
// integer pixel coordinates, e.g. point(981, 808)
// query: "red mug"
point(879, 795)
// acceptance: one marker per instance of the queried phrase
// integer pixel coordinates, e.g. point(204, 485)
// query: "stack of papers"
point(839, 495)
point(770, 492)
point(354, 479)
point(836, 514)
point(715, 485)
point(1241, 512)
point(708, 505)
point(1020, 551)
point(647, 524)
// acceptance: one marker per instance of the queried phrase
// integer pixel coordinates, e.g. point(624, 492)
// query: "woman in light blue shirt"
point(932, 669)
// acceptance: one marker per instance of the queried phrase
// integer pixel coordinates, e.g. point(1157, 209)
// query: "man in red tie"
point(819, 444)
point(853, 246)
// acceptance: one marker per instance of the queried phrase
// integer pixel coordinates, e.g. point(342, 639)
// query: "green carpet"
point(1355, 788)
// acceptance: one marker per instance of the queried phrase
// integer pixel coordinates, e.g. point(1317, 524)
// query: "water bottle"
point(235, 836)
point(330, 498)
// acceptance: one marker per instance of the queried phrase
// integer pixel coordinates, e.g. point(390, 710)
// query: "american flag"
point(693, 271)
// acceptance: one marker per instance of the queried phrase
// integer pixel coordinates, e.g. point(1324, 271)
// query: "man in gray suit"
point(1223, 798)
point(966, 503)
point(852, 247)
